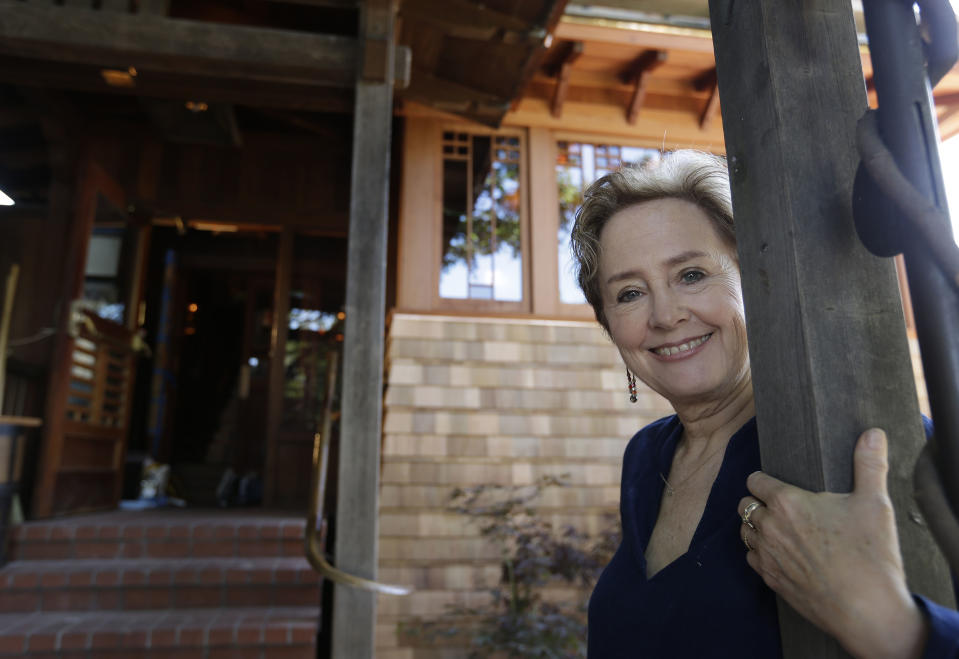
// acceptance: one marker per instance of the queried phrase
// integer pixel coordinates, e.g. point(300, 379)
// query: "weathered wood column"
point(826, 333)
point(354, 611)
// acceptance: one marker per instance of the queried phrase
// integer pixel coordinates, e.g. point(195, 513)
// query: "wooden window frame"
point(473, 304)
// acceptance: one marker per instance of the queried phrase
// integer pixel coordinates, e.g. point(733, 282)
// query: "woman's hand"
point(835, 557)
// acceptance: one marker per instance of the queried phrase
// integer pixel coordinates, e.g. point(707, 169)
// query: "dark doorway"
point(202, 401)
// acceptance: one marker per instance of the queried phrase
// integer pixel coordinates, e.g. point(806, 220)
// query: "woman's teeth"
point(666, 352)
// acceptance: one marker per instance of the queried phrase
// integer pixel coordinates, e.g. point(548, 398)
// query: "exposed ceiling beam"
point(74, 77)
point(708, 81)
point(571, 52)
point(467, 20)
point(639, 72)
point(156, 43)
point(712, 106)
point(451, 96)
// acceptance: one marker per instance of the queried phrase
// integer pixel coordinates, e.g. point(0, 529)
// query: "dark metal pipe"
point(908, 128)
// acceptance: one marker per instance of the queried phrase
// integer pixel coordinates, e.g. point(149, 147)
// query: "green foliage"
point(570, 198)
point(498, 200)
point(517, 621)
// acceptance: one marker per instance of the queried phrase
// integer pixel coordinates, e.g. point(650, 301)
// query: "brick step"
point(137, 584)
point(160, 534)
point(252, 633)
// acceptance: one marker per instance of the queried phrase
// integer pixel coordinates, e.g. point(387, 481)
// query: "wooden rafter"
point(571, 52)
point(708, 81)
point(638, 74)
point(464, 19)
point(157, 43)
point(712, 106)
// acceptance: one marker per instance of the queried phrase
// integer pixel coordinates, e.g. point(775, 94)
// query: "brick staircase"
point(158, 584)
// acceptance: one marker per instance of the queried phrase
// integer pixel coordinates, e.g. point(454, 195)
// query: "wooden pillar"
point(281, 329)
point(544, 217)
point(361, 403)
point(826, 334)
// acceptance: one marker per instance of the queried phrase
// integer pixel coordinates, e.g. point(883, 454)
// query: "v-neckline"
point(661, 464)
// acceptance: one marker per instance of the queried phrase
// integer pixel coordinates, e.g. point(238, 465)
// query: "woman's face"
point(673, 300)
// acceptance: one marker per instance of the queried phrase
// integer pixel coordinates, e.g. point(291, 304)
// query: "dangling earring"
point(631, 384)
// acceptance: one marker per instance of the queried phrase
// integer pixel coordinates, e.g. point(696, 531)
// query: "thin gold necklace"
point(671, 490)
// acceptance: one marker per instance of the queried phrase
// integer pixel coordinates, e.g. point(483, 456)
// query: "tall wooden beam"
point(826, 334)
point(572, 50)
point(354, 611)
point(638, 74)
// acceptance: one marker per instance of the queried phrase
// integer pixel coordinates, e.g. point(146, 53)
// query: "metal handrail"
point(315, 541)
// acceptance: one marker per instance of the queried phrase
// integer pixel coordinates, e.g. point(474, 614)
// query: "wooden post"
point(826, 333)
point(354, 611)
point(274, 395)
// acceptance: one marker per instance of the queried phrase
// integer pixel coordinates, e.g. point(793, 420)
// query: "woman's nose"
point(667, 310)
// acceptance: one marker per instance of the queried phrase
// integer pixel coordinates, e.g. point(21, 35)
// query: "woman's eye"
point(692, 276)
point(628, 296)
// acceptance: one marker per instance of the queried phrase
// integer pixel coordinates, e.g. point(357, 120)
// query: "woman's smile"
point(682, 350)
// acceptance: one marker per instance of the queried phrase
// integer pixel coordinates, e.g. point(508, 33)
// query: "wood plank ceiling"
point(293, 61)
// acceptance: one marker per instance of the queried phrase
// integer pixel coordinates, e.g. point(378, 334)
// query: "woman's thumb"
point(870, 462)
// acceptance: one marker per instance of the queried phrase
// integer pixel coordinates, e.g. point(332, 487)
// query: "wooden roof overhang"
point(474, 59)
point(470, 58)
point(647, 78)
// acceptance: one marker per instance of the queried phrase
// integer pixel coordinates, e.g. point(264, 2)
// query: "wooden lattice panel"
point(99, 373)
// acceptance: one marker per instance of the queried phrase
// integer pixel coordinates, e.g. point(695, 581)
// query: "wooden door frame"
point(92, 180)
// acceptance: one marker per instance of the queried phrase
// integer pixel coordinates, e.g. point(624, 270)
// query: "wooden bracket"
point(638, 73)
point(712, 106)
point(571, 51)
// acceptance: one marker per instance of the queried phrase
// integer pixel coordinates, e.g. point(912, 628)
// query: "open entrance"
point(204, 400)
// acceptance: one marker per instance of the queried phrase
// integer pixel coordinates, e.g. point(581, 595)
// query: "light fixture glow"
point(5, 200)
point(118, 78)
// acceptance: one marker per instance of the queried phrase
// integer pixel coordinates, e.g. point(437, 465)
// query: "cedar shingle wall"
point(479, 400)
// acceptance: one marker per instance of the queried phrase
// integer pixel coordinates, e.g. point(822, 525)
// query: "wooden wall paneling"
point(794, 73)
point(277, 376)
point(420, 198)
point(543, 222)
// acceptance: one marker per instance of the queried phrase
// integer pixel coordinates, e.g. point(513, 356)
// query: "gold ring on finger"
point(749, 510)
point(745, 538)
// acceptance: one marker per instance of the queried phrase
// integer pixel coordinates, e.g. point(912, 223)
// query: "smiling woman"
point(657, 261)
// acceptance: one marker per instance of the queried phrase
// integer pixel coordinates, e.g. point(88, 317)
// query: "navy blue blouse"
point(708, 602)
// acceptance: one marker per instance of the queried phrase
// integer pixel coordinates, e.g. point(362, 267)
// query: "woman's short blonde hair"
point(695, 176)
